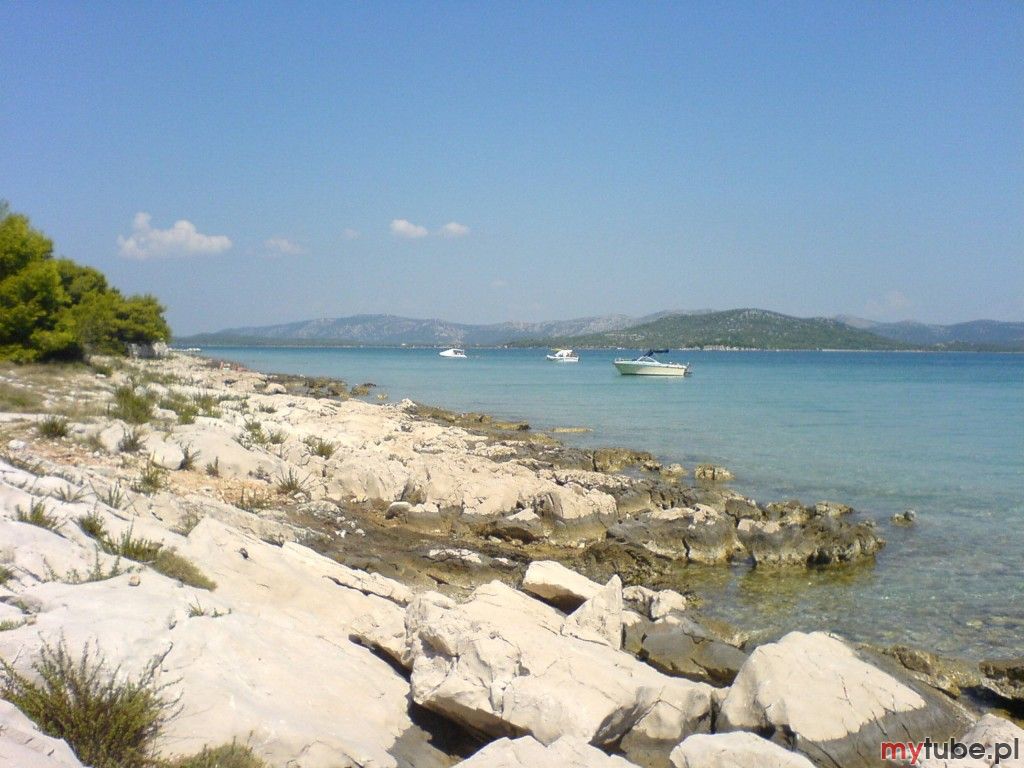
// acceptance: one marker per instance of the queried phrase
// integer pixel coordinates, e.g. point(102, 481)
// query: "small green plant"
point(132, 406)
point(108, 719)
point(53, 427)
point(138, 549)
point(188, 522)
point(254, 431)
point(38, 515)
point(70, 494)
point(97, 573)
point(92, 525)
point(9, 624)
point(101, 368)
point(276, 437)
point(290, 483)
point(267, 408)
point(132, 440)
point(189, 456)
point(253, 501)
point(6, 574)
point(231, 755)
point(93, 443)
point(320, 447)
point(113, 497)
point(196, 609)
point(151, 479)
point(213, 467)
point(174, 566)
point(206, 405)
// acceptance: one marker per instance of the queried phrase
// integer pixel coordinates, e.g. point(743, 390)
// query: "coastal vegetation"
point(54, 309)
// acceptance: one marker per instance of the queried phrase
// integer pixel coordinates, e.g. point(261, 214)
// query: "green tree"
point(57, 309)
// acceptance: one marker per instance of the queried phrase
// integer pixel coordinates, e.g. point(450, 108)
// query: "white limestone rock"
point(599, 619)
point(990, 730)
point(500, 664)
point(555, 583)
point(527, 752)
point(23, 745)
point(734, 750)
point(821, 699)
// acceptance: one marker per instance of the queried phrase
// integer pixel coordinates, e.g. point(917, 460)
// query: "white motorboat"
point(455, 352)
point(564, 356)
point(647, 365)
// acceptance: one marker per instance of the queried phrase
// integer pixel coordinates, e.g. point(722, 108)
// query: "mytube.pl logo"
point(913, 752)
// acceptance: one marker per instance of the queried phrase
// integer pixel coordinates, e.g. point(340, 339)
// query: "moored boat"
point(454, 352)
point(564, 356)
point(647, 365)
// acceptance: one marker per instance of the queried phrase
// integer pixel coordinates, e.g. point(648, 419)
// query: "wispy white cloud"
point(350, 234)
point(283, 246)
point(499, 283)
point(406, 229)
point(891, 304)
point(180, 239)
point(453, 229)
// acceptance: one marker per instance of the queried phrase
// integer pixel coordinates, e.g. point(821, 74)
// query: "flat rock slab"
point(23, 745)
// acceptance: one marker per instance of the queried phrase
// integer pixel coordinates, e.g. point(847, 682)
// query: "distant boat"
point(454, 352)
point(564, 356)
point(646, 365)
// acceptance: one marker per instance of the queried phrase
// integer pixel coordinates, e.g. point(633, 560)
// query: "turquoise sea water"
point(940, 433)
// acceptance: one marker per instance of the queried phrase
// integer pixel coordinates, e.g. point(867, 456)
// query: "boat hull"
point(634, 368)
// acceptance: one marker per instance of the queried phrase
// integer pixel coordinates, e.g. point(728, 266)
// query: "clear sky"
point(253, 163)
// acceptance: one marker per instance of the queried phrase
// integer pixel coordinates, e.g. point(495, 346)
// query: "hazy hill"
point(744, 328)
point(979, 333)
point(390, 329)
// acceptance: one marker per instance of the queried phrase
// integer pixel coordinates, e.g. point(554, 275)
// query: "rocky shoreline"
point(399, 585)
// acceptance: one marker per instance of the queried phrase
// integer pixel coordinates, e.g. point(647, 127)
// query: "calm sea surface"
point(940, 433)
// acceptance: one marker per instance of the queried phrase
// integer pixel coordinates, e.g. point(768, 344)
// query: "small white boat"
point(455, 352)
point(646, 365)
point(564, 356)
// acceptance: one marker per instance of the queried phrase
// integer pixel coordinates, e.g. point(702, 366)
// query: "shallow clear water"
point(940, 433)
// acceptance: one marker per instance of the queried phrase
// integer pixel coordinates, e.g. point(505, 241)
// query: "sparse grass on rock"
point(53, 427)
point(132, 440)
point(92, 525)
point(6, 574)
point(174, 566)
point(37, 515)
point(151, 479)
point(231, 755)
point(110, 720)
point(320, 447)
point(132, 406)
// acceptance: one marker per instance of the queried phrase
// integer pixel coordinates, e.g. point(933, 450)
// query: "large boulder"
point(500, 664)
point(527, 752)
point(812, 693)
point(681, 646)
point(599, 620)
point(822, 540)
point(734, 750)
point(994, 733)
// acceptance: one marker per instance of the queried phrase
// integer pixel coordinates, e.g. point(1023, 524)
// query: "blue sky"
point(496, 161)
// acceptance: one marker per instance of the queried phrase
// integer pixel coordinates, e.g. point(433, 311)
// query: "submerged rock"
point(711, 473)
point(1005, 677)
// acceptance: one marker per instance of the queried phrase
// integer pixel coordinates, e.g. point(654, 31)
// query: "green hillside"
point(738, 328)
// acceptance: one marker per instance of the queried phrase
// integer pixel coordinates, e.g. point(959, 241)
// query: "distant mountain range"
point(736, 328)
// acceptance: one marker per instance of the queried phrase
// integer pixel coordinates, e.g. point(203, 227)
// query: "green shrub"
point(138, 549)
point(132, 406)
point(92, 525)
point(113, 497)
point(290, 483)
point(188, 457)
point(132, 440)
point(53, 427)
point(150, 480)
point(276, 437)
point(255, 432)
point(320, 447)
point(253, 501)
point(231, 755)
point(69, 494)
point(108, 719)
point(213, 467)
point(6, 574)
point(174, 566)
point(37, 515)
